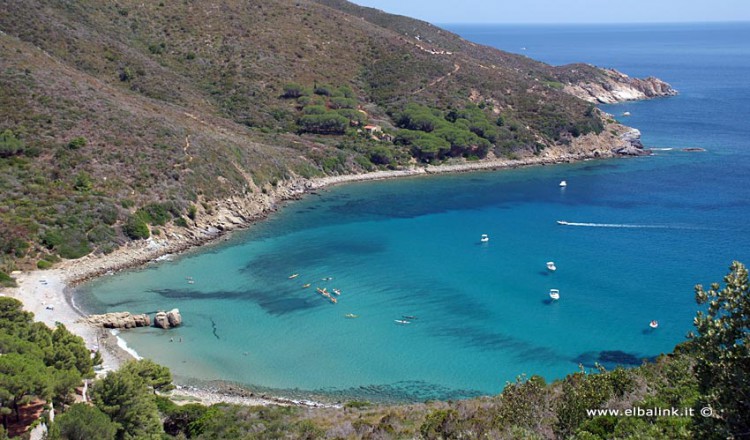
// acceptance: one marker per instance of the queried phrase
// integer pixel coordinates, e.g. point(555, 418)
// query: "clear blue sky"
point(566, 11)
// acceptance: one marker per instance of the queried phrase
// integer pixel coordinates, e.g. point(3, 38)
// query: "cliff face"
point(612, 86)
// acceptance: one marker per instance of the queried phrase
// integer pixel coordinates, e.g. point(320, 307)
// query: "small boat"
point(551, 266)
point(326, 279)
point(336, 291)
point(554, 294)
point(191, 282)
point(333, 300)
point(485, 238)
point(305, 286)
point(626, 114)
point(563, 184)
point(653, 324)
point(561, 222)
point(293, 276)
point(401, 321)
point(409, 317)
point(351, 316)
point(322, 291)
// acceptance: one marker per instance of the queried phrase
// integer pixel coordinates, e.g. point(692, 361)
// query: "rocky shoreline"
point(50, 294)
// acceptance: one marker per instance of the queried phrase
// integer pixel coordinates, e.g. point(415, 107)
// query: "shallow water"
point(644, 232)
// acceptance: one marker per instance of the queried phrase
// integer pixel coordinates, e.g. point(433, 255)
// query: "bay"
point(480, 315)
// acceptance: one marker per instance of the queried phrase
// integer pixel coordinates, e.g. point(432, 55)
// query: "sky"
point(566, 11)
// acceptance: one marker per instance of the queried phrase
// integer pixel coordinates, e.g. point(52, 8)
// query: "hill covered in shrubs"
point(119, 118)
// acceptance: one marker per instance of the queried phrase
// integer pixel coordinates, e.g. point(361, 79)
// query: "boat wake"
point(623, 225)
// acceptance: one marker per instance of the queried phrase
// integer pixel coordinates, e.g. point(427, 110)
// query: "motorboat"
point(305, 286)
point(551, 266)
point(562, 222)
point(401, 321)
point(653, 324)
point(351, 316)
point(563, 184)
point(554, 294)
point(626, 114)
point(293, 276)
point(337, 291)
point(485, 238)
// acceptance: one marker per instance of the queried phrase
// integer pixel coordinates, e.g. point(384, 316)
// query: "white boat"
point(401, 321)
point(653, 324)
point(626, 114)
point(485, 238)
point(563, 184)
point(551, 266)
point(554, 294)
point(561, 222)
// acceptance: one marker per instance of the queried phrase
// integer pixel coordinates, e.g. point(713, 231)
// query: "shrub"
point(155, 213)
point(341, 102)
point(10, 145)
point(77, 143)
point(83, 182)
point(293, 90)
point(6, 280)
point(136, 228)
point(315, 110)
point(192, 212)
point(74, 244)
point(101, 234)
point(330, 123)
point(52, 238)
point(322, 90)
point(43, 264)
point(180, 221)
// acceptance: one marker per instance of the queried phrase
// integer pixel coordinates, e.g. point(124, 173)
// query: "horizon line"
point(588, 23)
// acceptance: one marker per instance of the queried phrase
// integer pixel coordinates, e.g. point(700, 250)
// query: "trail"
point(456, 68)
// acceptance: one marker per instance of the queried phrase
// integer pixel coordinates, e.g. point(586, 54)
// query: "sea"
point(643, 232)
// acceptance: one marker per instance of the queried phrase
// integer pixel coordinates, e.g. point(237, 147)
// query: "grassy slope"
point(179, 102)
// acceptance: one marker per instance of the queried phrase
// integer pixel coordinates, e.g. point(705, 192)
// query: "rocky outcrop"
point(119, 320)
point(168, 319)
point(631, 144)
point(612, 86)
point(174, 318)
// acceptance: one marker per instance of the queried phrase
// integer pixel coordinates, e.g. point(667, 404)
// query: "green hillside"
point(120, 117)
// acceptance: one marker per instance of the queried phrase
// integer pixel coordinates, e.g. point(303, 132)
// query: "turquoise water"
point(656, 226)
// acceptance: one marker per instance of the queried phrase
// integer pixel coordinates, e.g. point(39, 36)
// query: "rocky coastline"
point(612, 86)
point(40, 289)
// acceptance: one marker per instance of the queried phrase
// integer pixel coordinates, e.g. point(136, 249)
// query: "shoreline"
point(49, 294)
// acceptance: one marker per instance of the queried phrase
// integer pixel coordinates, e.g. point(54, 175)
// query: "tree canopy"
point(722, 345)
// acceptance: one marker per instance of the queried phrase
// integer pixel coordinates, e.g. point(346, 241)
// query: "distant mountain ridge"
point(122, 119)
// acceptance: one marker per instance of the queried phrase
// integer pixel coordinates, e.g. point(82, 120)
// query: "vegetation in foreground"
point(711, 370)
point(123, 120)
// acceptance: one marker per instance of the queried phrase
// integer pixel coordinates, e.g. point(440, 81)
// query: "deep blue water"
point(411, 247)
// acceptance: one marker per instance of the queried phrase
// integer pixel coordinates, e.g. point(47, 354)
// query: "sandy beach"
point(48, 293)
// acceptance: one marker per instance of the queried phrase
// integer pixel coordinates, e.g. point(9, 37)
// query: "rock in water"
point(119, 320)
point(161, 320)
point(174, 318)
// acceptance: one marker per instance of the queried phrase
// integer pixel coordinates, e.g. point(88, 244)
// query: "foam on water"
point(124, 345)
